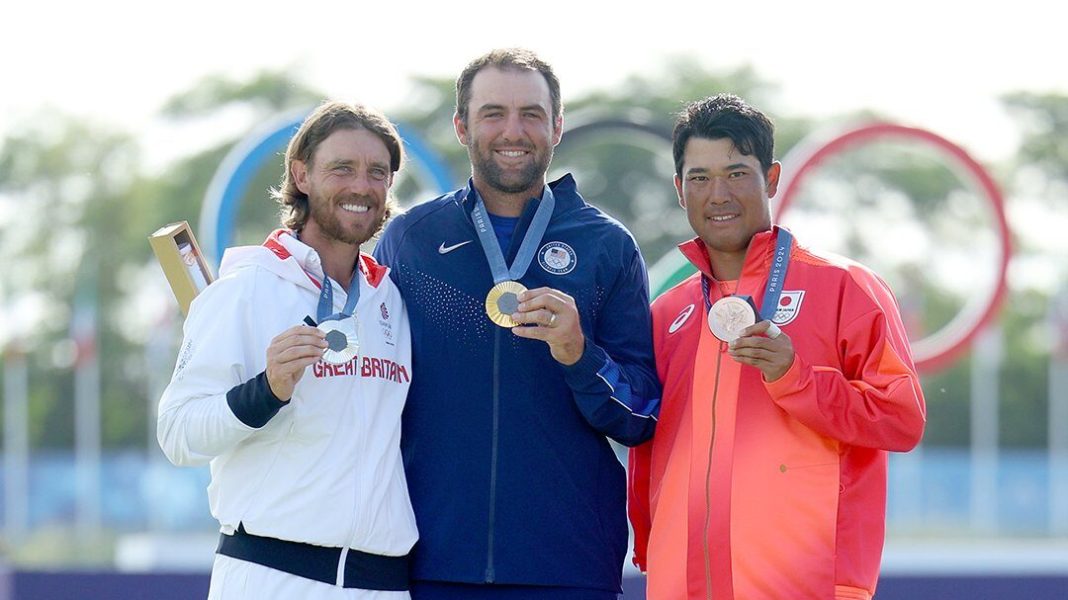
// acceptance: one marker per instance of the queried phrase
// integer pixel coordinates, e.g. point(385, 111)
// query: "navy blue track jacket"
point(510, 471)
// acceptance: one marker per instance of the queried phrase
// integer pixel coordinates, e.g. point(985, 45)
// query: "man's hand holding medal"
point(289, 354)
point(764, 346)
point(751, 336)
point(557, 323)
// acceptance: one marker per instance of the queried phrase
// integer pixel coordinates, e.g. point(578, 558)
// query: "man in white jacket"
point(301, 424)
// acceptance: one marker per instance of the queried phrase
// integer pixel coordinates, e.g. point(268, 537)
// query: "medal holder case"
point(183, 263)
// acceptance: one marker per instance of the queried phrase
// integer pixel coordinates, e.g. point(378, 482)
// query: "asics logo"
point(681, 319)
point(443, 249)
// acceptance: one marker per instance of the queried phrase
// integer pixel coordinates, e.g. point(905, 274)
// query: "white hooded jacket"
point(326, 468)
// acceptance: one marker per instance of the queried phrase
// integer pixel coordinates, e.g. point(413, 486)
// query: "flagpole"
point(159, 362)
point(86, 410)
point(1058, 414)
point(16, 445)
point(986, 363)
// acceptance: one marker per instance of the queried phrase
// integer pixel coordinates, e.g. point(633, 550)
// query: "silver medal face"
point(729, 316)
point(344, 343)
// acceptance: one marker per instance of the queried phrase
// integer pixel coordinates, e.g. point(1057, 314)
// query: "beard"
point(321, 211)
point(528, 177)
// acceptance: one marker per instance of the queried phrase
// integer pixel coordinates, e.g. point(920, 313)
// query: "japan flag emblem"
point(788, 308)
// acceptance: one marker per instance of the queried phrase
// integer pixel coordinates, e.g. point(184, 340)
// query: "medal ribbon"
point(779, 262)
point(326, 299)
point(492, 249)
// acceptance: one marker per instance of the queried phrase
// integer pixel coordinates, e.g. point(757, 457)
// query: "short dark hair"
point(725, 116)
point(325, 120)
point(518, 59)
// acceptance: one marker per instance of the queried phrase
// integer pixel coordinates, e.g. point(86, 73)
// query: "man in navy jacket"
point(532, 346)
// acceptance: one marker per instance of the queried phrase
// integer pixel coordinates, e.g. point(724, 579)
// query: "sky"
point(937, 65)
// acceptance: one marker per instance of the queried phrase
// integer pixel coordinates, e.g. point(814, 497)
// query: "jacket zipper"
point(490, 575)
point(356, 504)
point(708, 482)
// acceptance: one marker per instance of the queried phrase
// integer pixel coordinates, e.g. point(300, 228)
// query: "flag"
point(83, 330)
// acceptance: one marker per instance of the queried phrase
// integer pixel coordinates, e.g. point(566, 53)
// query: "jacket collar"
point(564, 189)
point(757, 256)
point(296, 261)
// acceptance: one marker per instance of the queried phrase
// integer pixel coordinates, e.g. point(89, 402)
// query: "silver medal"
point(343, 340)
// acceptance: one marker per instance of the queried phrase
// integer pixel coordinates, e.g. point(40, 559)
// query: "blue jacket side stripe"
point(620, 391)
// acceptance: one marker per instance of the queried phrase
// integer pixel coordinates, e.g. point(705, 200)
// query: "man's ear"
point(773, 178)
point(298, 170)
point(678, 190)
point(558, 129)
point(461, 128)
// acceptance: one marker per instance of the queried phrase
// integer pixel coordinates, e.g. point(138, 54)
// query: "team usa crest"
point(557, 258)
point(789, 307)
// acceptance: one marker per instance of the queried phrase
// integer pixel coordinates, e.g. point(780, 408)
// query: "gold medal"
point(503, 300)
point(343, 341)
point(730, 315)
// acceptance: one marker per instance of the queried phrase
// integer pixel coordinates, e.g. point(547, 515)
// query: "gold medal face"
point(502, 300)
point(343, 340)
point(729, 316)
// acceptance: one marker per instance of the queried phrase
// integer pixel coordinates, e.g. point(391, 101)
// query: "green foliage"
point(1025, 373)
point(947, 393)
point(176, 194)
point(429, 112)
point(1044, 121)
point(1023, 379)
point(265, 92)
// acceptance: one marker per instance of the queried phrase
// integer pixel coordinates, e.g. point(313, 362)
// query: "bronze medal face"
point(502, 300)
point(343, 340)
point(729, 316)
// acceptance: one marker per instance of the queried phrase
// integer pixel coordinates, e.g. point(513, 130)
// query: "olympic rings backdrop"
point(934, 351)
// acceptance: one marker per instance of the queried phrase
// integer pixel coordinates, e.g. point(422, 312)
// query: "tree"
point(68, 180)
point(84, 208)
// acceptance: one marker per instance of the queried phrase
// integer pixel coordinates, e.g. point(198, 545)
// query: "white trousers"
point(233, 579)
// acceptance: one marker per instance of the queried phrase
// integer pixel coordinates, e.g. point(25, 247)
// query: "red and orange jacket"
point(753, 489)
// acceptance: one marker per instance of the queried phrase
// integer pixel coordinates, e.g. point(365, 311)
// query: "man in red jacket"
point(787, 379)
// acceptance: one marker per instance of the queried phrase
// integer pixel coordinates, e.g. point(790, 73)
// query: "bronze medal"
point(730, 315)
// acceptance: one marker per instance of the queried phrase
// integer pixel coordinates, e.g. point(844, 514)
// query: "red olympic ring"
point(945, 345)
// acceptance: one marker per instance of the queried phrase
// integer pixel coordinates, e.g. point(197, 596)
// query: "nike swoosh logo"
point(443, 249)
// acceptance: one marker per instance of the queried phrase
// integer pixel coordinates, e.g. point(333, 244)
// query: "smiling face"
point(509, 132)
point(725, 194)
point(347, 181)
